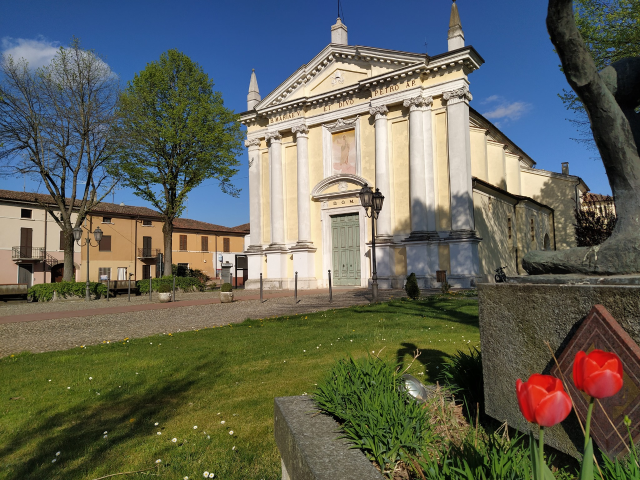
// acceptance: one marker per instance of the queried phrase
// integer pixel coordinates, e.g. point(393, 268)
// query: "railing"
point(148, 252)
point(27, 253)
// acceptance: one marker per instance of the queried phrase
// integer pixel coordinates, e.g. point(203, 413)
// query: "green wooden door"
point(345, 234)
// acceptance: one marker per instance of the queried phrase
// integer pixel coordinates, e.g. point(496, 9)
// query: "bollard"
point(129, 289)
point(150, 288)
point(330, 290)
point(231, 276)
point(173, 299)
point(260, 288)
point(108, 287)
point(295, 294)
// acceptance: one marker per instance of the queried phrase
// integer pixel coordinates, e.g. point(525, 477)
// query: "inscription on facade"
point(340, 104)
point(392, 88)
point(285, 116)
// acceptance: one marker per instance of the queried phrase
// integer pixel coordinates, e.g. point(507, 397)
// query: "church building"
point(459, 196)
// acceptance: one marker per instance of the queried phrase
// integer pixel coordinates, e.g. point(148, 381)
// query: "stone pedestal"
point(384, 265)
point(517, 319)
point(464, 261)
point(255, 262)
point(276, 277)
point(422, 259)
point(304, 263)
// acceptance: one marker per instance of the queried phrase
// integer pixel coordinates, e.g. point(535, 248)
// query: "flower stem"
point(588, 424)
point(541, 459)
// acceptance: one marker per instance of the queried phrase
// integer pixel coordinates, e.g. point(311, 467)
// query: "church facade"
point(460, 197)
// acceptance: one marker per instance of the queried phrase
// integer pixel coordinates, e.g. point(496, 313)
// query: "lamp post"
point(77, 235)
point(372, 203)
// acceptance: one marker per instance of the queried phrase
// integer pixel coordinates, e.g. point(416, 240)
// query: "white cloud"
point(38, 52)
point(492, 98)
point(508, 111)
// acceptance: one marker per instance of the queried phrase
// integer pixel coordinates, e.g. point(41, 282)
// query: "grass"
point(65, 401)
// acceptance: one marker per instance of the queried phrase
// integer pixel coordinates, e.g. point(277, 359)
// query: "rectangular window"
point(146, 247)
point(226, 245)
point(62, 240)
point(183, 242)
point(509, 227)
point(25, 213)
point(106, 220)
point(146, 223)
point(204, 244)
point(122, 273)
point(26, 236)
point(104, 273)
point(105, 244)
point(146, 272)
point(533, 231)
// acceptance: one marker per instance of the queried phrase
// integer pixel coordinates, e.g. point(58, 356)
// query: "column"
point(304, 222)
point(417, 178)
point(430, 169)
point(254, 192)
point(463, 241)
point(383, 224)
point(384, 237)
point(276, 252)
point(277, 189)
point(304, 251)
point(462, 223)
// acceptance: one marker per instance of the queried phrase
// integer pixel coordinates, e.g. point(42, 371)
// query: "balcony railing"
point(24, 253)
point(148, 252)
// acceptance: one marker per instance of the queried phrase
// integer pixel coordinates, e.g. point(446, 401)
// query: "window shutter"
point(226, 245)
point(205, 243)
point(105, 243)
point(183, 242)
point(62, 242)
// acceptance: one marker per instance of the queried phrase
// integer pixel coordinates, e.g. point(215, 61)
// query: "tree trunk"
point(69, 243)
point(167, 230)
point(609, 97)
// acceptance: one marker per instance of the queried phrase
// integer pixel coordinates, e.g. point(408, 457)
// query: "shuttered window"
point(205, 243)
point(104, 272)
point(226, 244)
point(146, 272)
point(183, 242)
point(105, 243)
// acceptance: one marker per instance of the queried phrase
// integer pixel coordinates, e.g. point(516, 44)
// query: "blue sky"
point(516, 88)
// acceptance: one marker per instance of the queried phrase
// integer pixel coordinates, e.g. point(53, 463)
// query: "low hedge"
point(186, 284)
point(43, 292)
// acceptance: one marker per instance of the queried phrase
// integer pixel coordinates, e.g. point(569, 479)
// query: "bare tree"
point(55, 126)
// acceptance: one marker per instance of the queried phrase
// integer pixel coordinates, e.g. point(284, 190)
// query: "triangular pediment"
point(335, 68)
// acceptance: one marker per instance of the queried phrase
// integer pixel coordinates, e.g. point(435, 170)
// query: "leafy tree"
point(611, 32)
point(177, 134)
point(593, 226)
point(55, 126)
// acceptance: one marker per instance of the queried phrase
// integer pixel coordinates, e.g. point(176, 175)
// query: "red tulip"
point(599, 373)
point(542, 400)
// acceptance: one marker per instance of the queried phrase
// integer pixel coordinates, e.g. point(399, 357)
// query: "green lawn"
point(66, 401)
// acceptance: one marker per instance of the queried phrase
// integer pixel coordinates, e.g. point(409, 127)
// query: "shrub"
point(186, 284)
point(164, 287)
point(379, 418)
point(445, 287)
point(226, 287)
point(412, 289)
point(43, 292)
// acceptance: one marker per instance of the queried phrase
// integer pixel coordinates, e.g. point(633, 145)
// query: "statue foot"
point(618, 255)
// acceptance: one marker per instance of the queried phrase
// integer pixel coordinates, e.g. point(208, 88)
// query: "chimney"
point(253, 98)
point(456, 35)
point(565, 168)
point(339, 33)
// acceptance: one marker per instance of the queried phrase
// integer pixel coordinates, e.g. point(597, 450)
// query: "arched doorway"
point(547, 242)
point(57, 273)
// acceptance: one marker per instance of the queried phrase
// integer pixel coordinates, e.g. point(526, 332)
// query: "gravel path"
point(64, 333)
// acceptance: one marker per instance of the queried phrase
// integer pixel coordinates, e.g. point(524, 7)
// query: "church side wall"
point(479, 165)
point(559, 194)
point(496, 164)
point(496, 248)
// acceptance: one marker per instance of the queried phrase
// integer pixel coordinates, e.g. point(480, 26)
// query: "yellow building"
point(132, 240)
point(460, 196)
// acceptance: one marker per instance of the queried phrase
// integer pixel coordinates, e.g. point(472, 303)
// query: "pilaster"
point(254, 194)
point(277, 190)
point(383, 224)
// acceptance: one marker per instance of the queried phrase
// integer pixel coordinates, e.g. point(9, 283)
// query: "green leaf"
point(586, 470)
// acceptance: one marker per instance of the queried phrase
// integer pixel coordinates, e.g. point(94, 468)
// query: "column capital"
point(273, 137)
point(458, 95)
point(254, 142)
point(301, 130)
point(418, 103)
point(380, 111)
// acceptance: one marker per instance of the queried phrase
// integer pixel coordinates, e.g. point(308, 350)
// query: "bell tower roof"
point(456, 35)
point(254, 93)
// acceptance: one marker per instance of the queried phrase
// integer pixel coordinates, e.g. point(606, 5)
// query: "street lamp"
point(372, 203)
point(77, 235)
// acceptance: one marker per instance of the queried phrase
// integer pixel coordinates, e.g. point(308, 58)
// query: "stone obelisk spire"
point(254, 93)
point(456, 35)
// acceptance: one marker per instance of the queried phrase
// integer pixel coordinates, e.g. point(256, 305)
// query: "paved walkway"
point(61, 325)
